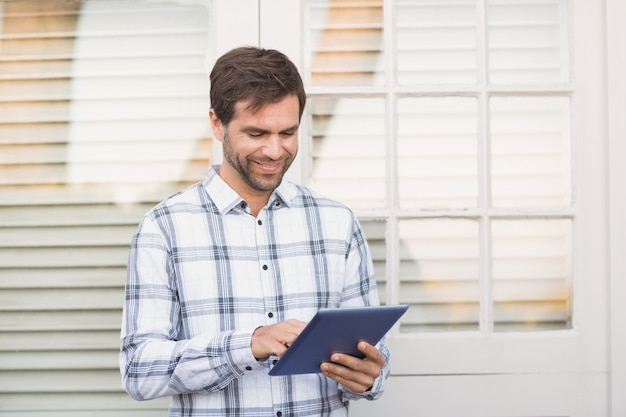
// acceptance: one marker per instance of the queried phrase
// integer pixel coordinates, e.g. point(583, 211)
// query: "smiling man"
point(224, 275)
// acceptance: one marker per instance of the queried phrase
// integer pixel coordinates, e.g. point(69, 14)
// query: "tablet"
point(336, 330)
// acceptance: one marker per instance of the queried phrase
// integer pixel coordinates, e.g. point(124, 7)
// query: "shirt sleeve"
point(361, 289)
point(153, 362)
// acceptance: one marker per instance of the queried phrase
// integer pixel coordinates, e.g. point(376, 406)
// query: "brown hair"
point(263, 76)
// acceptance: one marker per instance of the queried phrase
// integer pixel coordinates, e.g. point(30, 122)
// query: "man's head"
point(257, 101)
point(258, 76)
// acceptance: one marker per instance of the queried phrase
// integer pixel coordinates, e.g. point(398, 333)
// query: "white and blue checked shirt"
point(204, 273)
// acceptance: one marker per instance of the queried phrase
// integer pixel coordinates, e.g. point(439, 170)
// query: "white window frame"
point(616, 129)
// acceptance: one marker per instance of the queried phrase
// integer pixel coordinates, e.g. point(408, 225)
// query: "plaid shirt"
point(204, 273)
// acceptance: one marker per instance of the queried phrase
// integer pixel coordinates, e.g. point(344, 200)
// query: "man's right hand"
point(276, 338)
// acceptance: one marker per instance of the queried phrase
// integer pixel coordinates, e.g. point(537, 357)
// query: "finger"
point(279, 349)
point(371, 353)
point(288, 340)
point(371, 364)
point(360, 366)
point(294, 325)
point(286, 333)
point(353, 380)
point(291, 330)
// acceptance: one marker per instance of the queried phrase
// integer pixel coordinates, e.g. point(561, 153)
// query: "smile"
point(269, 167)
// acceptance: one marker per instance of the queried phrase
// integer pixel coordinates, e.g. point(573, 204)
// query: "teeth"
point(267, 165)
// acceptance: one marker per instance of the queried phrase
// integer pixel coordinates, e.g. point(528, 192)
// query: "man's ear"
point(216, 126)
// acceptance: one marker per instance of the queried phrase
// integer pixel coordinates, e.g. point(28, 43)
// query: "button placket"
point(260, 232)
point(264, 265)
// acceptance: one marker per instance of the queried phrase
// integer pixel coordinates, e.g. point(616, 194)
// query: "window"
point(446, 125)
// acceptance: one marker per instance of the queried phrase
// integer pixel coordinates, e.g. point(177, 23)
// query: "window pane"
point(349, 150)
point(437, 152)
point(346, 42)
point(436, 41)
point(532, 274)
point(530, 151)
point(528, 41)
point(439, 269)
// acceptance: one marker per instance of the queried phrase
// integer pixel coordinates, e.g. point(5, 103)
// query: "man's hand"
point(357, 375)
point(276, 338)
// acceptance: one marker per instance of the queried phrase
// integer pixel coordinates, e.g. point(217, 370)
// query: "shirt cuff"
point(243, 358)
point(373, 394)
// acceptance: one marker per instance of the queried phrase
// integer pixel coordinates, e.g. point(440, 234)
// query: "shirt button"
point(259, 222)
point(265, 267)
point(270, 314)
point(243, 204)
point(248, 368)
point(279, 414)
point(275, 361)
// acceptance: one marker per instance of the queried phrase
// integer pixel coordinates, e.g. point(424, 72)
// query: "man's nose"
point(273, 147)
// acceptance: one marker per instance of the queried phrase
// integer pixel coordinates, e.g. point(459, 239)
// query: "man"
point(224, 275)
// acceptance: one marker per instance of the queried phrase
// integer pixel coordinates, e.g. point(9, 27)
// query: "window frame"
point(616, 132)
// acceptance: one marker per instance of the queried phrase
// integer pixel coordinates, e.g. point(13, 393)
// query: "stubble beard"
point(257, 182)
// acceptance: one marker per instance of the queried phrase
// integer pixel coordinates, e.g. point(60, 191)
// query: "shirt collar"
point(225, 198)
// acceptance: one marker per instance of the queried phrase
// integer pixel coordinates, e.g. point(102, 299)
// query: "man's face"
point(258, 147)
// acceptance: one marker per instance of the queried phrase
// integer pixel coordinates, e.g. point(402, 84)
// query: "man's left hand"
point(356, 374)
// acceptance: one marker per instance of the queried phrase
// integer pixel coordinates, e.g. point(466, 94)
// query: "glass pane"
point(437, 152)
point(439, 269)
point(528, 41)
point(348, 155)
point(436, 41)
point(532, 274)
point(530, 151)
point(346, 42)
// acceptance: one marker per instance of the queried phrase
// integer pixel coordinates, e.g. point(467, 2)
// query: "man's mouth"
point(269, 167)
